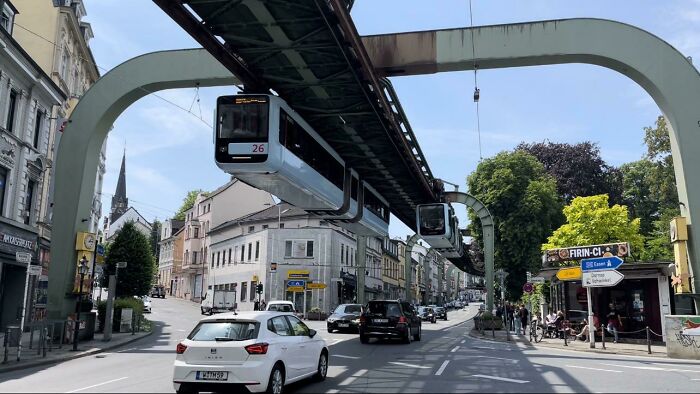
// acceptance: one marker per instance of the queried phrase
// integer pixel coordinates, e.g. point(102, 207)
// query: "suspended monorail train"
point(438, 225)
point(263, 142)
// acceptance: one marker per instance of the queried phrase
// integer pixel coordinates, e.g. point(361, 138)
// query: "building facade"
point(229, 202)
point(390, 269)
point(279, 247)
point(28, 97)
point(171, 246)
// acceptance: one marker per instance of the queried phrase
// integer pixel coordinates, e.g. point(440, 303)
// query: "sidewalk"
point(631, 349)
point(30, 358)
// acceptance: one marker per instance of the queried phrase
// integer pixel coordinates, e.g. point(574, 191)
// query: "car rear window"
point(280, 308)
point(353, 309)
point(224, 331)
point(388, 309)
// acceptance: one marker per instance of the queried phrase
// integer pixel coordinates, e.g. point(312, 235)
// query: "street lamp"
point(82, 270)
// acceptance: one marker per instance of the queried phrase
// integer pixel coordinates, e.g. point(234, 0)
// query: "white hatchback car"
point(261, 351)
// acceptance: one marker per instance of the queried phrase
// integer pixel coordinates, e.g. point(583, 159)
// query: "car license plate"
point(343, 325)
point(380, 320)
point(212, 375)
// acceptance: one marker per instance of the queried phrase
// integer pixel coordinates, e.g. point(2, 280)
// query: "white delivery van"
point(217, 301)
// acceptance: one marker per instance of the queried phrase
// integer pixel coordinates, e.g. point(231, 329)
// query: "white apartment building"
point(28, 97)
point(170, 256)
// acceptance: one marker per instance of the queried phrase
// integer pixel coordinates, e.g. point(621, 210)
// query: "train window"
point(432, 219)
point(304, 146)
point(242, 119)
point(353, 189)
point(376, 206)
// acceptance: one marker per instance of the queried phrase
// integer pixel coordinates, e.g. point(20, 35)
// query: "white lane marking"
point(360, 373)
point(347, 381)
point(127, 350)
point(96, 385)
point(455, 349)
point(462, 341)
point(344, 356)
point(333, 391)
point(655, 368)
point(409, 365)
point(593, 369)
point(498, 358)
point(442, 368)
point(501, 379)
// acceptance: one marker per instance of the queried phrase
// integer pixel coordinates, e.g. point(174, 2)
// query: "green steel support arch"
point(487, 227)
point(78, 153)
point(668, 76)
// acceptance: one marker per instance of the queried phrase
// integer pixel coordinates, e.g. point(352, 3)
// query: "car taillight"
point(180, 348)
point(257, 348)
point(402, 319)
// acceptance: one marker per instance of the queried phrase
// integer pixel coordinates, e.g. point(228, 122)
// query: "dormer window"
point(8, 16)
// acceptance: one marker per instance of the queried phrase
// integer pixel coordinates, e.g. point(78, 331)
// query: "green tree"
point(523, 201)
point(155, 238)
point(134, 248)
point(591, 221)
point(188, 203)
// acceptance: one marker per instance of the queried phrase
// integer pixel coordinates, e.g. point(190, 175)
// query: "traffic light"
point(259, 288)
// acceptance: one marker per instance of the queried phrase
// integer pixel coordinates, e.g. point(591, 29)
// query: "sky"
point(168, 137)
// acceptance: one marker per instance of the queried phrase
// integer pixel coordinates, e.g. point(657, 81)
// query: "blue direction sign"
point(296, 283)
point(601, 263)
point(100, 250)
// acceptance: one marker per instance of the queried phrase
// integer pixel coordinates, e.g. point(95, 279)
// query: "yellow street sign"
point(296, 289)
point(298, 274)
point(255, 278)
point(316, 286)
point(571, 273)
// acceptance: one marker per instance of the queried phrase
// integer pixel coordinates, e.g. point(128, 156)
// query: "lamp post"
point(501, 274)
point(82, 270)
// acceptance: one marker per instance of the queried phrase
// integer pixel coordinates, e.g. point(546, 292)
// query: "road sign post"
point(23, 257)
point(598, 272)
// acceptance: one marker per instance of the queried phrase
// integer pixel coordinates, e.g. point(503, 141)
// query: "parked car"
point(427, 313)
point(258, 351)
point(345, 317)
point(146, 304)
point(390, 319)
point(158, 291)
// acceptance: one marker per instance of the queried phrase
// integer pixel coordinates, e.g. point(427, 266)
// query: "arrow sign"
point(571, 273)
point(601, 263)
point(296, 283)
point(598, 278)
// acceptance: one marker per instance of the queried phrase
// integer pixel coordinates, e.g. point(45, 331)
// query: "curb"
point(569, 349)
point(73, 356)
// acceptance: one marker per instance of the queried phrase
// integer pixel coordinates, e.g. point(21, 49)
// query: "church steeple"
point(119, 201)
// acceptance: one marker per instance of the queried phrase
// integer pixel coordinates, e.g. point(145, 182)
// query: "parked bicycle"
point(537, 330)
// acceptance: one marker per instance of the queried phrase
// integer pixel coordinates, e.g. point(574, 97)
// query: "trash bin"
point(12, 335)
point(87, 326)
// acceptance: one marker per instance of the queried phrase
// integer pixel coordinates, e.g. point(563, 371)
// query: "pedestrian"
point(263, 305)
point(516, 319)
point(509, 310)
point(613, 325)
point(524, 314)
point(256, 305)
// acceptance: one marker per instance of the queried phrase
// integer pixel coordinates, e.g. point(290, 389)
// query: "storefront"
point(12, 273)
point(641, 299)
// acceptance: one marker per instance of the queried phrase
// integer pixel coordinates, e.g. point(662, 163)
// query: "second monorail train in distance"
point(263, 142)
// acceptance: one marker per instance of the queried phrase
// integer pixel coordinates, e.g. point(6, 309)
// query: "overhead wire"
point(477, 91)
point(90, 61)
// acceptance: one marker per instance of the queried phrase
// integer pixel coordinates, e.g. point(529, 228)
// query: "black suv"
point(441, 312)
point(390, 319)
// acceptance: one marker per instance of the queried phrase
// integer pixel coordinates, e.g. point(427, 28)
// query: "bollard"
point(493, 329)
point(648, 340)
point(566, 334)
point(602, 336)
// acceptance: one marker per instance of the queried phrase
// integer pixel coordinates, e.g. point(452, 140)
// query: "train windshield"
point(432, 219)
point(243, 118)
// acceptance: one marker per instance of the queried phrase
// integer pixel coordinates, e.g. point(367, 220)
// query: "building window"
point(229, 256)
point(299, 249)
point(218, 259)
point(29, 199)
point(265, 226)
point(342, 254)
point(281, 225)
point(252, 290)
point(212, 260)
point(242, 253)
point(9, 125)
point(244, 290)
point(5, 22)
point(64, 65)
point(196, 232)
point(347, 255)
point(257, 250)
point(250, 251)
point(38, 123)
point(223, 257)
point(194, 257)
point(251, 229)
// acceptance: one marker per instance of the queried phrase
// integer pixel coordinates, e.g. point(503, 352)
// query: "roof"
point(247, 315)
point(137, 212)
point(285, 210)
point(12, 6)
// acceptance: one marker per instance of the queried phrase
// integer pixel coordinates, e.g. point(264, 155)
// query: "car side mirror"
point(312, 333)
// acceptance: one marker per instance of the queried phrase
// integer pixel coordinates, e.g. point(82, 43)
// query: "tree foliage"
point(577, 168)
point(523, 200)
point(591, 221)
point(134, 248)
point(188, 203)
